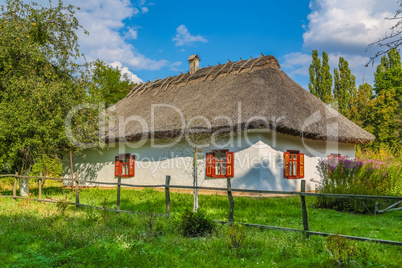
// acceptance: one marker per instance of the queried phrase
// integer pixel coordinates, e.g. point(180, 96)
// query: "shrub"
point(196, 224)
point(236, 236)
point(62, 204)
point(48, 166)
point(358, 176)
point(342, 250)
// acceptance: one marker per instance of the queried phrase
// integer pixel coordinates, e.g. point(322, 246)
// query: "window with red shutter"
point(293, 164)
point(220, 164)
point(209, 169)
point(229, 164)
point(300, 170)
point(117, 166)
point(131, 166)
point(125, 165)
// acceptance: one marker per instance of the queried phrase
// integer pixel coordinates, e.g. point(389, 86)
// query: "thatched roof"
point(257, 85)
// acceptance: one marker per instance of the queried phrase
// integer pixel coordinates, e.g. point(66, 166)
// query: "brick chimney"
point(194, 62)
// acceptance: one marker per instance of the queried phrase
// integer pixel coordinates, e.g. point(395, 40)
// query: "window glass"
point(294, 168)
point(218, 168)
point(290, 169)
point(224, 167)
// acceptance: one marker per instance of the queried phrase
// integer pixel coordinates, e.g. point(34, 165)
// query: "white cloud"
point(175, 66)
point(296, 63)
point(131, 33)
point(183, 37)
point(342, 28)
point(344, 25)
point(144, 10)
point(124, 70)
point(103, 19)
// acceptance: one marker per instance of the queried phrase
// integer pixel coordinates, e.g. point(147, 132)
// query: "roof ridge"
point(206, 72)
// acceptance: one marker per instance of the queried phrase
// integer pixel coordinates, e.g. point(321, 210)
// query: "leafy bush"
point(48, 166)
point(342, 250)
point(236, 236)
point(62, 204)
point(196, 224)
point(358, 176)
point(6, 183)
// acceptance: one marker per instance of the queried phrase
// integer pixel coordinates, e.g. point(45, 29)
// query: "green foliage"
point(6, 182)
point(72, 240)
point(342, 250)
point(361, 107)
point(320, 77)
point(236, 236)
point(344, 87)
point(387, 114)
point(62, 204)
point(48, 167)
point(363, 177)
point(107, 84)
point(196, 224)
point(37, 80)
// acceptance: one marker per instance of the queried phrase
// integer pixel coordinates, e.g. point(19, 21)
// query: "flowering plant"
point(358, 176)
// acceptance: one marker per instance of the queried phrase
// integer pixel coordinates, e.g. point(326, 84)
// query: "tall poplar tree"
point(388, 88)
point(315, 74)
point(361, 106)
point(320, 77)
point(344, 87)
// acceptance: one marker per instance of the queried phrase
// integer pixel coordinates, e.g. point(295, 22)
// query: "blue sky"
point(153, 39)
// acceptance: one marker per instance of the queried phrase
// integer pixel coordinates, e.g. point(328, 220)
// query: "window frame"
point(292, 159)
point(211, 164)
point(129, 164)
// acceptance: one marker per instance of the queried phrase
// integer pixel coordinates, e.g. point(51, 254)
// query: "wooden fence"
point(76, 182)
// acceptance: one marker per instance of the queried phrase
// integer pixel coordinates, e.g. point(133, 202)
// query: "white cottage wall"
point(258, 162)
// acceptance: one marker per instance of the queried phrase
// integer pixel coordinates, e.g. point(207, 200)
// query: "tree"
point(315, 74)
point(383, 118)
point(388, 89)
point(361, 106)
point(344, 87)
point(107, 84)
point(320, 77)
point(38, 83)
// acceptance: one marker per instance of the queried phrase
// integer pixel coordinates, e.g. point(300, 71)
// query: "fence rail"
point(229, 191)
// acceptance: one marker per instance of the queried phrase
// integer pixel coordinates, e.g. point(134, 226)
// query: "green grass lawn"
point(36, 234)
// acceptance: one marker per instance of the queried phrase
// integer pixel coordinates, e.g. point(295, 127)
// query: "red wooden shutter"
point(213, 166)
point(300, 164)
point(230, 164)
point(117, 164)
point(286, 157)
point(209, 158)
point(131, 166)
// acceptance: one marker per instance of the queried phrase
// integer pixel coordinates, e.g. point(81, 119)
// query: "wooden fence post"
point(15, 185)
point(72, 183)
point(303, 207)
point(229, 184)
point(77, 191)
point(40, 186)
point(118, 192)
point(167, 195)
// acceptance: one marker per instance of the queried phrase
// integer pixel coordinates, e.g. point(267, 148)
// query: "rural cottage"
point(246, 120)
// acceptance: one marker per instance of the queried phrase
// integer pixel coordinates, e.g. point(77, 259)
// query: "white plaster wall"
point(258, 162)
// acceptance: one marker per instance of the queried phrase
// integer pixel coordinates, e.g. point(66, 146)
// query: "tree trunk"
point(195, 181)
point(26, 164)
point(24, 185)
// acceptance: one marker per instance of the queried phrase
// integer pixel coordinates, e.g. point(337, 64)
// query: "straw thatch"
point(263, 91)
